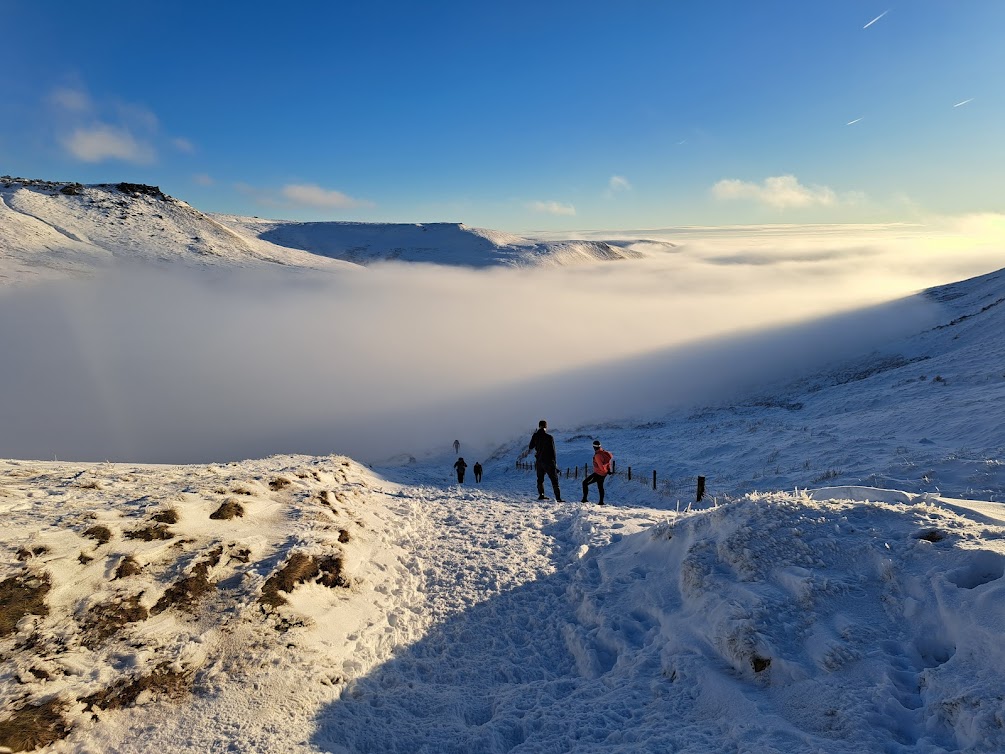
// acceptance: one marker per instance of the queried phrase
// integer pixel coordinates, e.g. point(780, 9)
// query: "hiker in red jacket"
point(601, 468)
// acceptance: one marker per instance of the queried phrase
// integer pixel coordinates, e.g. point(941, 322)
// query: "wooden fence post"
point(701, 489)
point(654, 478)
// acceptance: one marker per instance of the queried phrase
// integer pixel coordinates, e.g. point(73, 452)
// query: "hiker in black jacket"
point(543, 446)
point(461, 466)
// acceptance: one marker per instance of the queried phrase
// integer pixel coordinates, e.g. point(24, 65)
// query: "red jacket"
point(602, 462)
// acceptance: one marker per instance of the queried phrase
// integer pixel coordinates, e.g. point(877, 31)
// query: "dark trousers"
point(542, 469)
point(478, 476)
point(460, 476)
point(599, 479)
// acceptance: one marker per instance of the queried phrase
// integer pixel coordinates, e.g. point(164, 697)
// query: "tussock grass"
point(20, 596)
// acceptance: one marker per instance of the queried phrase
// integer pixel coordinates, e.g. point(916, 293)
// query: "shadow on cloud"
point(176, 366)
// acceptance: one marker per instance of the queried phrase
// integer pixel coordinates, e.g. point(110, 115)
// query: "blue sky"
point(518, 115)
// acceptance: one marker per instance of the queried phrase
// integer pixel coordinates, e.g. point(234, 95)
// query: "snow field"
point(475, 618)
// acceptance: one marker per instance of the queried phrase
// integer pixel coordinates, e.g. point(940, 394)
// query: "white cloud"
point(311, 195)
point(619, 183)
point(782, 191)
point(74, 100)
point(203, 179)
point(553, 208)
point(94, 131)
point(183, 145)
point(103, 142)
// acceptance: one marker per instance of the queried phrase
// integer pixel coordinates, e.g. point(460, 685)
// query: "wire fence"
point(675, 487)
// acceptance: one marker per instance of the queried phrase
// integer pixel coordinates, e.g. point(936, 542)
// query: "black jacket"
point(543, 445)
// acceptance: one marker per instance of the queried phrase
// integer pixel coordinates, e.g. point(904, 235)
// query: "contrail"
point(853, 122)
point(961, 104)
point(875, 19)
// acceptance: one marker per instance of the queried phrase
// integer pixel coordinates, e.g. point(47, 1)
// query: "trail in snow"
point(511, 649)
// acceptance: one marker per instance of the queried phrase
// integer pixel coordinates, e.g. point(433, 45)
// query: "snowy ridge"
point(436, 243)
point(50, 230)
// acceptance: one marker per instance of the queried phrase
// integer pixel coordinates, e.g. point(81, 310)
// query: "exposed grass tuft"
point(101, 534)
point(169, 516)
point(299, 569)
point(33, 726)
point(229, 509)
point(150, 533)
point(26, 553)
point(20, 596)
point(186, 592)
point(106, 619)
point(128, 567)
point(163, 682)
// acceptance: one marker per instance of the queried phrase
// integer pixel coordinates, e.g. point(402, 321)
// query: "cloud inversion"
point(198, 366)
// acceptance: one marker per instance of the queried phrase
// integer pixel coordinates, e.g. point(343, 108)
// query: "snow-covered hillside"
point(302, 604)
point(52, 230)
point(925, 413)
point(438, 243)
point(49, 230)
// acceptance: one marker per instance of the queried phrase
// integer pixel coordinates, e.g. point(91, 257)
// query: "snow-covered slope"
point(924, 414)
point(51, 230)
point(438, 243)
point(345, 610)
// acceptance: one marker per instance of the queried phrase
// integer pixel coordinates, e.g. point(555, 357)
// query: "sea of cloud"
point(177, 366)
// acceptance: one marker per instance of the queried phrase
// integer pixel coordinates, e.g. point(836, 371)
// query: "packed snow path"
point(512, 656)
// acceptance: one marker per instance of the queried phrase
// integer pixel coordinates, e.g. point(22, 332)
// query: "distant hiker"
point(543, 446)
point(478, 471)
point(460, 466)
point(601, 468)
point(457, 446)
